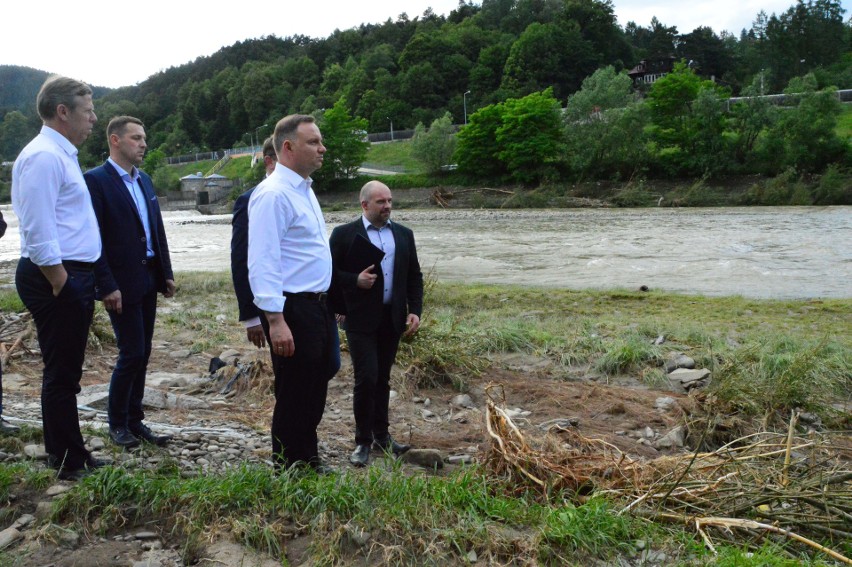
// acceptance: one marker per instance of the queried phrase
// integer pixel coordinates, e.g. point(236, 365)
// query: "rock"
point(427, 414)
point(661, 339)
point(184, 353)
point(666, 403)
point(14, 382)
point(170, 379)
point(69, 538)
point(393, 394)
point(166, 400)
point(144, 535)
point(221, 318)
point(9, 536)
point(462, 401)
point(36, 452)
point(229, 553)
point(57, 489)
point(229, 356)
point(24, 521)
point(472, 557)
point(674, 438)
point(427, 458)
point(560, 423)
point(43, 509)
point(678, 360)
point(517, 412)
point(684, 380)
point(358, 536)
point(96, 444)
point(460, 460)
point(427, 402)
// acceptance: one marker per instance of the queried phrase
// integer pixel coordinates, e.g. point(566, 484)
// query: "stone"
point(184, 353)
point(358, 536)
point(460, 459)
point(9, 536)
point(427, 414)
point(57, 489)
point(96, 444)
point(678, 360)
point(560, 423)
point(229, 356)
point(36, 452)
point(674, 438)
point(145, 535)
point(684, 380)
point(462, 401)
point(43, 509)
point(24, 521)
point(665, 403)
point(426, 458)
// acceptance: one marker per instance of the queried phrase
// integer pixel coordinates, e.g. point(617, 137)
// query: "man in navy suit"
point(133, 267)
point(249, 313)
point(379, 305)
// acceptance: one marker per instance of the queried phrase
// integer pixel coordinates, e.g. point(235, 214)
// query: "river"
point(759, 252)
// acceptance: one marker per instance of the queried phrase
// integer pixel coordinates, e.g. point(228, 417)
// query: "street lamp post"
point(391, 123)
point(464, 101)
point(256, 138)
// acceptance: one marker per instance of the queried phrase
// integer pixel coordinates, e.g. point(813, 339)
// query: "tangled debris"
point(761, 485)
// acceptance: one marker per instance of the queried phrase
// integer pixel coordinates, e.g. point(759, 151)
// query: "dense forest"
point(412, 71)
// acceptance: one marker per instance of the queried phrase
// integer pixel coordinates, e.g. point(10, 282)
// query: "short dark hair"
point(58, 90)
point(119, 124)
point(286, 128)
point(269, 148)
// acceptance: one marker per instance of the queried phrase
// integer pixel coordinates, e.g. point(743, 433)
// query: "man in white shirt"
point(60, 244)
point(289, 265)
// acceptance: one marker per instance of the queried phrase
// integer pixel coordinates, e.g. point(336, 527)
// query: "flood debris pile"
point(765, 485)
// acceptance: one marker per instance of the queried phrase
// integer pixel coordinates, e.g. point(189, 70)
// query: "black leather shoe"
point(7, 428)
point(388, 445)
point(122, 437)
point(144, 433)
point(77, 474)
point(360, 456)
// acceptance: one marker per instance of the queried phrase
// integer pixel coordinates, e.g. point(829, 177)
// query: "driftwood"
point(442, 198)
point(767, 483)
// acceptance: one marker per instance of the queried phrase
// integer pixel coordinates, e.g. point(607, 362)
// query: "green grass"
point(194, 167)
point(844, 123)
point(394, 156)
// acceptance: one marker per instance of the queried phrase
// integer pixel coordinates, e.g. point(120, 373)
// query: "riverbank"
point(571, 362)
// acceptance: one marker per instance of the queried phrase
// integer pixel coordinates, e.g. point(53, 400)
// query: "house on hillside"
point(649, 71)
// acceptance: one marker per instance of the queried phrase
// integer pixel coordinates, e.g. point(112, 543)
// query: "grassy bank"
point(767, 357)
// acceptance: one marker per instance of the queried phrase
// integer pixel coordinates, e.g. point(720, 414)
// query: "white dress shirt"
point(382, 238)
point(288, 243)
point(54, 208)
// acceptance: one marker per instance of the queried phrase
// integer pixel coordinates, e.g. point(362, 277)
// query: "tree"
point(345, 142)
point(434, 148)
point(476, 147)
point(15, 133)
point(603, 90)
point(530, 137)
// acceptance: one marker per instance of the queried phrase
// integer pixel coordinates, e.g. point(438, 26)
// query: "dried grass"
point(762, 484)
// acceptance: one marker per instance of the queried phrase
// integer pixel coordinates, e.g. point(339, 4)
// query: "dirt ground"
point(615, 410)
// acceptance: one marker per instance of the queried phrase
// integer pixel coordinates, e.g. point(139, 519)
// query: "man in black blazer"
point(377, 306)
point(133, 267)
point(249, 313)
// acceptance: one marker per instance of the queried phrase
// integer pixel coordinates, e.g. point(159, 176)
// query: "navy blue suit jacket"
point(123, 261)
point(239, 258)
point(363, 308)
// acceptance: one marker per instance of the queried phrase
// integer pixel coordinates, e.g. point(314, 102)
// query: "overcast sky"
point(104, 43)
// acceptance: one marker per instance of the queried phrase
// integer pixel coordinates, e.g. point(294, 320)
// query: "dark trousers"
point(301, 380)
point(62, 324)
point(373, 354)
point(134, 329)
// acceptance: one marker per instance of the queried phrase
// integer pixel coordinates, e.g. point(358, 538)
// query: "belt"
point(318, 296)
point(77, 265)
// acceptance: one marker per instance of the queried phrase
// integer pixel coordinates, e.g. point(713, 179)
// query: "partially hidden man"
point(289, 266)
point(134, 267)
point(380, 304)
point(60, 244)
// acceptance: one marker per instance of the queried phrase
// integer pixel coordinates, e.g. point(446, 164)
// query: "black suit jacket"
point(239, 258)
point(123, 261)
point(363, 307)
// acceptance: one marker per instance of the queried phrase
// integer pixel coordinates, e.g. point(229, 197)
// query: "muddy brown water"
point(760, 252)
